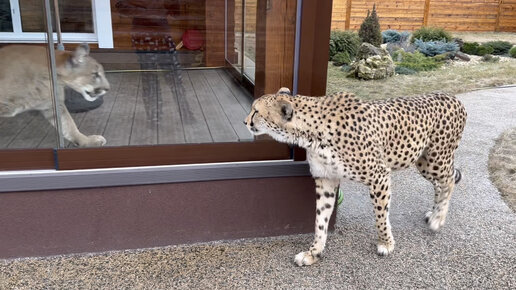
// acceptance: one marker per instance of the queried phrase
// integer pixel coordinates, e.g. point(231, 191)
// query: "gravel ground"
point(476, 249)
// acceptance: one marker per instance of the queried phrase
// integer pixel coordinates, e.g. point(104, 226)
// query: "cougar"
point(25, 85)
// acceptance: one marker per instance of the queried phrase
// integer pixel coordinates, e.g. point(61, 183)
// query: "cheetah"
point(363, 141)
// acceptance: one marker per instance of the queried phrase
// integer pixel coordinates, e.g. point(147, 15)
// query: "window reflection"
point(234, 28)
point(169, 79)
point(250, 39)
point(75, 16)
point(6, 23)
point(26, 88)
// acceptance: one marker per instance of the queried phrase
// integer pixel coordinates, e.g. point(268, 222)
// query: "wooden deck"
point(149, 108)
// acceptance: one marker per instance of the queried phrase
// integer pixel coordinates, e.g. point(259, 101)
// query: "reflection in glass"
point(6, 22)
point(26, 91)
point(152, 40)
point(166, 82)
point(250, 39)
point(75, 16)
point(234, 33)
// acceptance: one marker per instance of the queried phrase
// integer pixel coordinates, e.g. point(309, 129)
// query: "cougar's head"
point(83, 74)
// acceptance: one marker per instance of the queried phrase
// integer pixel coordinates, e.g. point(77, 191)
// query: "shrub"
point(344, 41)
point(401, 70)
point(490, 58)
point(370, 29)
point(431, 34)
point(393, 36)
point(345, 68)
point(476, 49)
point(499, 47)
point(470, 47)
point(512, 52)
point(483, 50)
point(416, 61)
point(342, 58)
point(433, 48)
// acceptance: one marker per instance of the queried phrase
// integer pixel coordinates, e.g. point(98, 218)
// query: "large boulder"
point(372, 63)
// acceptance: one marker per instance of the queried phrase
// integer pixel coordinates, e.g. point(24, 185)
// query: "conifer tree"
point(370, 29)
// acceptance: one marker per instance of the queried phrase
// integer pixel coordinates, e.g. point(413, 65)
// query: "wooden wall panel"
point(400, 15)
point(338, 14)
point(459, 15)
point(507, 20)
point(250, 20)
point(463, 15)
point(215, 17)
point(275, 46)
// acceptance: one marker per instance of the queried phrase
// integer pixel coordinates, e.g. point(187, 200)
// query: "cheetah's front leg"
point(325, 194)
point(380, 193)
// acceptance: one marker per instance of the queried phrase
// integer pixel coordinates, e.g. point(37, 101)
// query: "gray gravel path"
point(475, 249)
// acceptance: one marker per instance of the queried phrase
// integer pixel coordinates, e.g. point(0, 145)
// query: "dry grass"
point(486, 36)
point(502, 166)
point(451, 79)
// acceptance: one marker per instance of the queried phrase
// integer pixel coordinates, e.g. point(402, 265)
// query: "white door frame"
point(103, 31)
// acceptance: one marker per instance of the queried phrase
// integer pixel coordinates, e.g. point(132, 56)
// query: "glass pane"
point(166, 80)
point(75, 16)
point(6, 23)
point(234, 33)
point(26, 107)
point(250, 39)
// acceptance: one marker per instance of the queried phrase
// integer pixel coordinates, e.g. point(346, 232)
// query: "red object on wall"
point(192, 39)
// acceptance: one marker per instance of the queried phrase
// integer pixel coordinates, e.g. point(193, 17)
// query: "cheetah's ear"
point(284, 91)
point(286, 110)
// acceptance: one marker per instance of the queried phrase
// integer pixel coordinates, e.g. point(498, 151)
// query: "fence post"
point(425, 15)
point(348, 15)
point(497, 24)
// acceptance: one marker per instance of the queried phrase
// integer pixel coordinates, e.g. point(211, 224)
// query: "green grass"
point(449, 79)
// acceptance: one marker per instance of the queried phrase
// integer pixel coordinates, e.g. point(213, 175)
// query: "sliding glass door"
point(163, 94)
point(249, 59)
point(241, 22)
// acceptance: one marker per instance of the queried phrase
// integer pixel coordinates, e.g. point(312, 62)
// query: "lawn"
point(456, 77)
point(451, 78)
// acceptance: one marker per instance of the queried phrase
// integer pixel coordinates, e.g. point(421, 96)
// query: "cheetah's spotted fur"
point(347, 138)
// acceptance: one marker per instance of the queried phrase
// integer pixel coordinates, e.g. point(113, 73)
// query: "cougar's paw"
point(306, 259)
point(384, 249)
point(94, 141)
point(434, 220)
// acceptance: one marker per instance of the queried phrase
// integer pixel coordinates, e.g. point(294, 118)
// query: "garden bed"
point(452, 77)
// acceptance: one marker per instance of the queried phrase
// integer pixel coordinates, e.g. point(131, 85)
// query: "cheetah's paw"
point(385, 249)
point(305, 259)
point(434, 220)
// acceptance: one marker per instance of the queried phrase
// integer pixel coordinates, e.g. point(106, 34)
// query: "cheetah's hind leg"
point(443, 175)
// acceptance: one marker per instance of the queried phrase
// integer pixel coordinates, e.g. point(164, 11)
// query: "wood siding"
point(459, 15)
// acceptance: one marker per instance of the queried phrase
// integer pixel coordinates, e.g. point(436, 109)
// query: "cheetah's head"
point(273, 115)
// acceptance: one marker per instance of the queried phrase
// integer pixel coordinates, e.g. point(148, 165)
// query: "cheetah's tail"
point(458, 176)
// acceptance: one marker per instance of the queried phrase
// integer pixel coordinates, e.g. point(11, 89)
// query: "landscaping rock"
point(372, 63)
point(462, 56)
point(459, 42)
point(446, 56)
point(367, 50)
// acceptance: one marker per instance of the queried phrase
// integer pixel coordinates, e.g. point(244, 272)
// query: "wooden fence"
point(456, 15)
